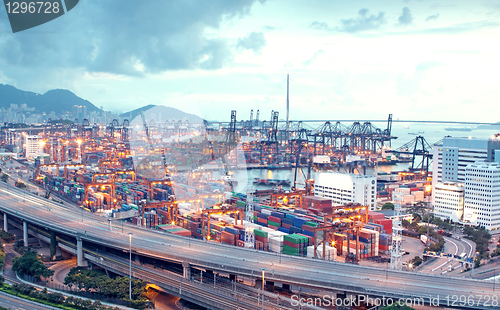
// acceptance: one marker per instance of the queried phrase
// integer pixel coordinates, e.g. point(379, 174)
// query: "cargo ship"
point(458, 129)
point(258, 181)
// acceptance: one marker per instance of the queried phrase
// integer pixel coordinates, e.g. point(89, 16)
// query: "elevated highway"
point(200, 255)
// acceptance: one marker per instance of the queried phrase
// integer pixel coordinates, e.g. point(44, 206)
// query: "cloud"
point(314, 57)
point(123, 37)
point(406, 18)
point(320, 26)
point(427, 65)
point(363, 22)
point(268, 28)
point(432, 17)
point(254, 41)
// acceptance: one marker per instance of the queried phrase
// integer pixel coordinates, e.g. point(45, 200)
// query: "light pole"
point(473, 263)
point(263, 281)
point(130, 267)
point(263, 276)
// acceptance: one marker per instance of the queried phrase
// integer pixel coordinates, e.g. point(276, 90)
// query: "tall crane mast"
point(397, 232)
point(249, 233)
point(151, 148)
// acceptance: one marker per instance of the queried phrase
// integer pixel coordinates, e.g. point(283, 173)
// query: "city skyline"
point(360, 60)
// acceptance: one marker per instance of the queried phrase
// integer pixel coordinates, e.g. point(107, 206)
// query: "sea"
point(405, 133)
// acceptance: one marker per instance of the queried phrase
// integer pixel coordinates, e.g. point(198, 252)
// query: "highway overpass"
point(91, 229)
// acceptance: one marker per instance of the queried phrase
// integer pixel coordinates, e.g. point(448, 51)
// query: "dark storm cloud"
point(432, 17)
point(363, 22)
point(125, 37)
point(254, 41)
point(406, 18)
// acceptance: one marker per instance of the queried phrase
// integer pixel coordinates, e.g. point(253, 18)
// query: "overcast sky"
point(423, 60)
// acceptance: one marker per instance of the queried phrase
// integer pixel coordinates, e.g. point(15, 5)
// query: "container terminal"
point(180, 178)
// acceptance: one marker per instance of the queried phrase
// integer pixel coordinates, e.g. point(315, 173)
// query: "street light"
point(263, 281)
point(130, 267)
point(473, 263)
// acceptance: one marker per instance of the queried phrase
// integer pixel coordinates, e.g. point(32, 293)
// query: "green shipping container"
point(294, 238)
point(312, 224)
point(273, 224)
point(260, 233)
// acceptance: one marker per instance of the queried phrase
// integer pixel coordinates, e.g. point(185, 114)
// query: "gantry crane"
point(205, 223)
point(171, 212)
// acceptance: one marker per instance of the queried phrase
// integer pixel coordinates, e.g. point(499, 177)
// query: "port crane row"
point(273, 139)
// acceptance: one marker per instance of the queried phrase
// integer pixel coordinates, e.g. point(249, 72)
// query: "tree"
point(20, 185)
point(416, 261)
point(30, 264)
point(388, 206)
point(2, 280)
point(4, 177)
point(98, 281)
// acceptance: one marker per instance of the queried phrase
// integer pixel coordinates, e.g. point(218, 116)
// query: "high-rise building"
point(79, 112)
point(343, 188)
point(482, 195)
point(452, 157)
point(33, 146)
point(449, 201)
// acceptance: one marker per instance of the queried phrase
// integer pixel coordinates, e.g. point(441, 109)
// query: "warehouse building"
point(344, 188)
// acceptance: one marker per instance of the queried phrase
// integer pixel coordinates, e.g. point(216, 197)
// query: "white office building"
point(343, 188)
point(452, 157)
point(33, 146)
point(449, 201)
point(482, 195)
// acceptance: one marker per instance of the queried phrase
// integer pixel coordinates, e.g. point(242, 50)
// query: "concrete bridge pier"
point(233, 277)
point(269, 286)
point(286, 287)
point(187, 270)
point(25, 233)
point(5, 224)
point(79, 251)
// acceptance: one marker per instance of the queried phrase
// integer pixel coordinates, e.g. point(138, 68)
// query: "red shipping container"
point(285, 225)
point(240, 243)
point(185, 233)
point(239, 227)
point(274, 219)
point(375, 216)
point(228, 238)
point(261, 239)
point(273, 227)
point(291, 244)
point(261, 220)
point(307, 228)
point(313, 211)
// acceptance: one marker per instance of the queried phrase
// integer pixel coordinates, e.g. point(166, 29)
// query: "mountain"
point(160, 114)
point(57, 100)
point(132, 114)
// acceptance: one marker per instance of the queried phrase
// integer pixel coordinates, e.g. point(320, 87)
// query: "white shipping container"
point(330, 252)
point(266, 211)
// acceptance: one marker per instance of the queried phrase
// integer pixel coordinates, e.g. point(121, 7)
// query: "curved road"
point(230, 259)
point(12, 302)
point(453, 247)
